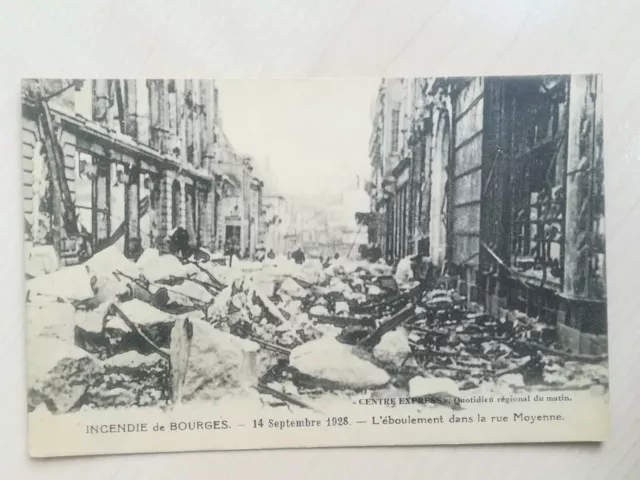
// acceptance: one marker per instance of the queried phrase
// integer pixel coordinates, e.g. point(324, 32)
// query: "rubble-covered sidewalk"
point(113, 333)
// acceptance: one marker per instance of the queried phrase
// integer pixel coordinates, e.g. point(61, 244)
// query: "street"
point(333, 253)
point(294, 333)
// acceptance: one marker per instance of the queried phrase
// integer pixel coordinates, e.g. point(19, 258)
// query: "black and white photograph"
point(218, 264)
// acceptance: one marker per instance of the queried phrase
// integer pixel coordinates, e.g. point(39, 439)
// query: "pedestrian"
point(298, 256)
point(232, 247)
point(179, 243)
point(375, 253)
point(135, 249)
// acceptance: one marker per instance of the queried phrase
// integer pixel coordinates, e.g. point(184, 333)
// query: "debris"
point(293, 288)
point(387, 326)
point(163, 332)
point(341, 307)
point(138, 331)
point(101, 397)
point(262, 388)
point(70, 283)
point(132, 360)
point(393, 348)
point(319, 310)
point(566, 355)
point(148, 257)
point(374, 291)
point(107, 261)
point(160, 267)
point(334, 364)
point(192, 291)
point(59, 375)
point(207, 364)
point(404, 273)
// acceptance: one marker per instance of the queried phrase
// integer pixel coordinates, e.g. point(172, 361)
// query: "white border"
point(338, 38)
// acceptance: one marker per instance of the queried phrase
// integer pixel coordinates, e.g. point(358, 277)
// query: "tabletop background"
point(329, 38)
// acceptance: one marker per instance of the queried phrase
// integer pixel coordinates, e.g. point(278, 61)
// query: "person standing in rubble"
point(232, 247)
point(298, 256)
point(423, 269)
point(179, 243)
point(135, 249)
point(375, 253)
point(260, 253)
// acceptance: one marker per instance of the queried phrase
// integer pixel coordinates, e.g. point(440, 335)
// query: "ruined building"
point(122, 162)
point(499, 180)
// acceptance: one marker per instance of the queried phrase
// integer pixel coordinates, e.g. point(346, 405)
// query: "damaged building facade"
point(241, 214)
point(123, 162)
point(276, 223)
point(499, 181)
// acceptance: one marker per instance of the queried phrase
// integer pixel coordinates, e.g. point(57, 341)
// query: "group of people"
point(232, 248)
point(412, 267)
point(299, 257)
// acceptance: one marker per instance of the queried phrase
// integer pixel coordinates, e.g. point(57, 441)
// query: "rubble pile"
point(112, 333)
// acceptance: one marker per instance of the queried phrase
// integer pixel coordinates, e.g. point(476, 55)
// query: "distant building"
point(240, 214)
point(276, 223)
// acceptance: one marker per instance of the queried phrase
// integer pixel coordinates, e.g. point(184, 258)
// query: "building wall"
point(467, 186)
point(34, 168)
point(465, 171)
point(175, 118)
point(400, 151)
point(277, 223)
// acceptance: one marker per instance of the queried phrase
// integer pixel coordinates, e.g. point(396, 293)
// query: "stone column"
point(132, 206)
point(165, 209)
point(182, 212)
point(102, 221)
point(584, 203)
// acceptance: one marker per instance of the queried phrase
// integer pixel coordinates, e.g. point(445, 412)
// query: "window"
point(190, 120)
point(174, 126)
point(85, 177)
point(117, 211)
point(537, 185)
point(395, 129)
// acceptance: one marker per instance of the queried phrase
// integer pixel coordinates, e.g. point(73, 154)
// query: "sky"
point(313, 134)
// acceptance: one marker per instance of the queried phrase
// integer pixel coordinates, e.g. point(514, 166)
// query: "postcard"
point(217, 264)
